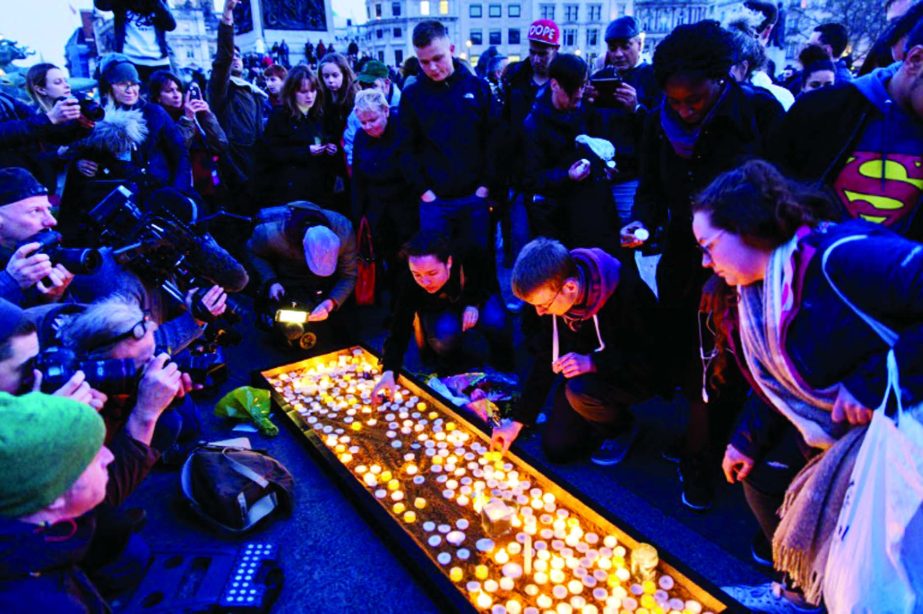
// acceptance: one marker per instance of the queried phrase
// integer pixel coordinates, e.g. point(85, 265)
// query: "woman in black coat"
point(380, 191)
point(297, 153)
point(137, 144)
point(706, 125)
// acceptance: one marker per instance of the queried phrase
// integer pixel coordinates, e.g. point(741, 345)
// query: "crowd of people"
point(782, 216)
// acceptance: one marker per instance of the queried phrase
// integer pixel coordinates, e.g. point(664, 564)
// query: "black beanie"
point(18, 184)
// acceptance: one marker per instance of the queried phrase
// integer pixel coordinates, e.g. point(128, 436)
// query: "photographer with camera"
point(307, 256)
point(117, 329)
point(19, 346)
point(30, 275)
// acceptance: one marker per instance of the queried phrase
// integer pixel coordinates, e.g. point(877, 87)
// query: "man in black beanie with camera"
point(28, 277)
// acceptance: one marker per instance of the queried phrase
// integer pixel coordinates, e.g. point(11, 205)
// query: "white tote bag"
point(867, 568)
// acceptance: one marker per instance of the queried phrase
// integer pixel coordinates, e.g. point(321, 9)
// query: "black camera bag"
point(235, 488)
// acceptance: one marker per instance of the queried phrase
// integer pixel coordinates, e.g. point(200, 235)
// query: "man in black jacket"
point(624, 107)
point(447, 119)
point(572, 197)
point(863, 142)
point(238, 105)
point(522, 83)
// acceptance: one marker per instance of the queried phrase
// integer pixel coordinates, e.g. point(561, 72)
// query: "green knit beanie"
point(46, 443)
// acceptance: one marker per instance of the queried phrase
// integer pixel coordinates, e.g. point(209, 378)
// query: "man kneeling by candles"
point(598, 337)
point(450, 290)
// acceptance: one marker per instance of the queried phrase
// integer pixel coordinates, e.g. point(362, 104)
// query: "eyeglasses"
point(548, 305)
point(126, 85)
point(709, 245)
point(136, 332)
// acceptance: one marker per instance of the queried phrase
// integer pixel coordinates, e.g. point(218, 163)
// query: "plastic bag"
point(874, 538)
point(248, 403)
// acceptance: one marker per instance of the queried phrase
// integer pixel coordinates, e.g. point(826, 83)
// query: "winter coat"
point(825, 342)
point(623, 305)
point(287, 171)
point(141, 145)
point(817, 139)
point(378, 182)
point(160, 15)
point(40, 567)
point(446, 133)
point(467, 286)
point(276, 253)
point(624, 128)
point(24, 133)
point(521, 92)
point(583, 213)
point(239, 108)
point(737, 131)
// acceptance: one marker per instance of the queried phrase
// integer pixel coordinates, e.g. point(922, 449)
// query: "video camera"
point(161, 246)
point(77, 260)
point(113, 376)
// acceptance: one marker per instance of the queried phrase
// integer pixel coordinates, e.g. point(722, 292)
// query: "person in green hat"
point(55, 474)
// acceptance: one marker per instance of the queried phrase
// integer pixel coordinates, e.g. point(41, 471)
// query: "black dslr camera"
point(90, 110)
point(113, 376)
point(77, 260)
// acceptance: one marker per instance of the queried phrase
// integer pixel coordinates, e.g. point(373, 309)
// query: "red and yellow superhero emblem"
point(880, 190)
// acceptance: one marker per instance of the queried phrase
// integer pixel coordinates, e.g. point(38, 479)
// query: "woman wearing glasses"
point(137, 143)
point(599, 338)
point(796, 328)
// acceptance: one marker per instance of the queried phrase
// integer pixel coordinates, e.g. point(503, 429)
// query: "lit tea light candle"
point(419, 503)
point(456, 574)
point(444, 558)
point(507, 584)
point(491, 586)
point(455, 538)
point(483, 601)
point(399, 508)
point(544, 601)
point(513, 571)
point(434, 540)
point(501, 556)
point(410, 516)
point(481, 572)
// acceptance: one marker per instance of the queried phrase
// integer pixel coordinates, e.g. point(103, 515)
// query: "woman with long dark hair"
point(297, 150)
point(204, 138)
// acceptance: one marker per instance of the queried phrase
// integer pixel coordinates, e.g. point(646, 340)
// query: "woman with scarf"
point(796, 285)
point(137, 144)
point(707, 124)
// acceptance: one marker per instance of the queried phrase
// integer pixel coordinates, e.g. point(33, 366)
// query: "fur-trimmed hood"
point(121, 132)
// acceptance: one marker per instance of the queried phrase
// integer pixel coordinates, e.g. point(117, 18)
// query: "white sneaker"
point(771, 597)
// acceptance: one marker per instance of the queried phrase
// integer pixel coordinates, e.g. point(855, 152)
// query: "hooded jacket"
point(446, 134)
point(859, 144)
point(623, 307)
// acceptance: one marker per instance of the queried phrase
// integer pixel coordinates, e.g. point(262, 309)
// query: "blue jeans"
point(443, 330)
point(624, 196)
point(465, 220)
